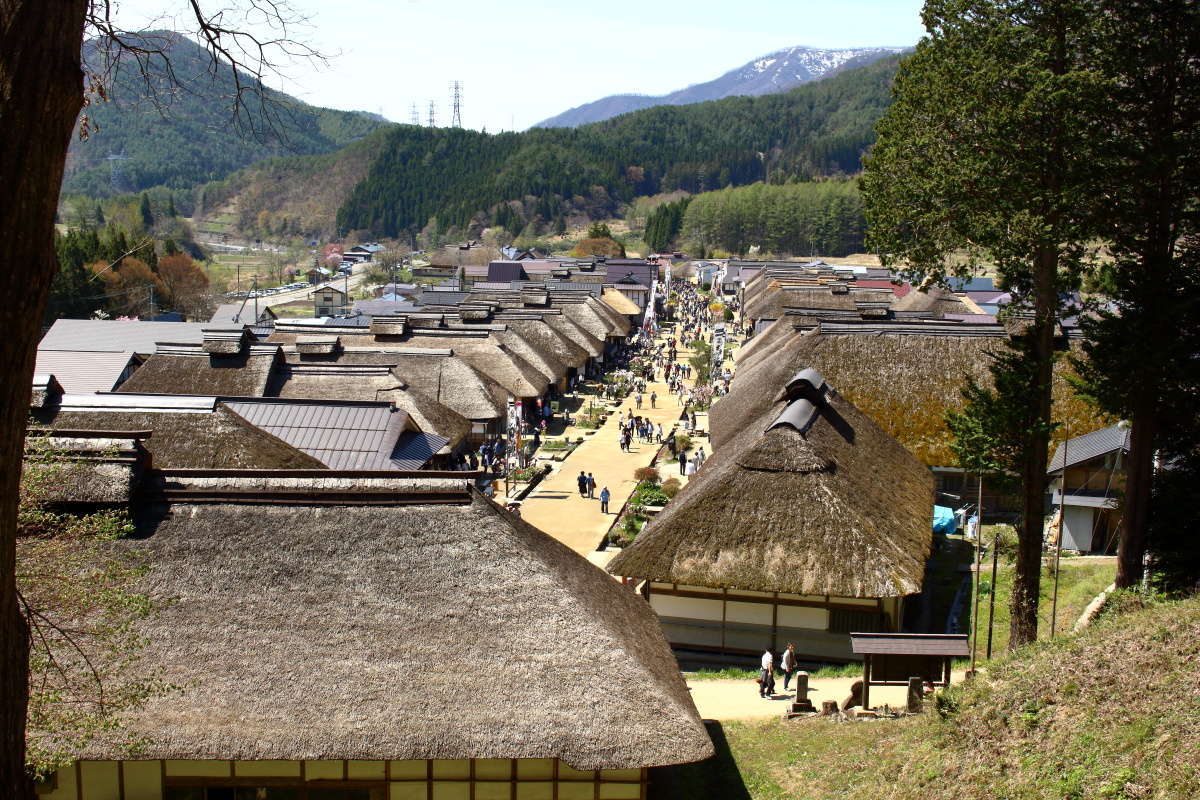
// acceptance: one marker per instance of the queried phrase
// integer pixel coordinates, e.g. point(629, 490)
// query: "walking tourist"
point(605, 495)
point(788, 665)
point(766, 676)
point(591, 485)
point(582, 482)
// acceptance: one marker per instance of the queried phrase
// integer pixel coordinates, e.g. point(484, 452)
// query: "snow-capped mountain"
point(776, 72)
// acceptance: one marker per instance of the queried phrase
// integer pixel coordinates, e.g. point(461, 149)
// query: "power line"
point(456, 104)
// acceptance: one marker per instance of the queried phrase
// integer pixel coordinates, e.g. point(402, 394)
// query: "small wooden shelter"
point(891, 659)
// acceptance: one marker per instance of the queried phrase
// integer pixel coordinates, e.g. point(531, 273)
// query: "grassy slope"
point(1109, 714)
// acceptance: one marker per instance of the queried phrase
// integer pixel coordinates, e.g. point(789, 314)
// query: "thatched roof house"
point(935, 299)
point(905, 376)
point(811, 503)
point(190, 369)
point(405, 633)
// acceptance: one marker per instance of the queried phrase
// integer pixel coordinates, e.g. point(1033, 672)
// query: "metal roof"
point(114, 336)
point(83, 373)
point(339, 435)
point(1090, 445)
point(505, 271)
point(414, 450)
point(910, 644)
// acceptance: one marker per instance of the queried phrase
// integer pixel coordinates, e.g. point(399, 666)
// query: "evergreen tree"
point(146, 214)
point(1144, 357)
point(986, 155)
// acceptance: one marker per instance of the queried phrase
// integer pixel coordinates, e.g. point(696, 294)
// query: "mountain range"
point(776, 72)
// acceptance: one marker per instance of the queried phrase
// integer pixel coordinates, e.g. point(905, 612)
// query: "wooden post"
point(916, 695)
point(866, 692)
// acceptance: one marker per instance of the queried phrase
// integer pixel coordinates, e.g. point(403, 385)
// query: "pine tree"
point(987, 155)
point(146, 214)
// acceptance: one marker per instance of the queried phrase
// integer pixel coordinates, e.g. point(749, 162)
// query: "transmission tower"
point(456, 104)
point(115, 176)
point(415, 116)
point(432, 115)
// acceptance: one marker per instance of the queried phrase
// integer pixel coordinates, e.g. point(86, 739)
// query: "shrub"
point(647, 475)
point(671, 487)
point(683, 443)
point(649, 494)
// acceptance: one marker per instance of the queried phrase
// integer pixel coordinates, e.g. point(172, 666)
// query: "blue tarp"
point(943, 520)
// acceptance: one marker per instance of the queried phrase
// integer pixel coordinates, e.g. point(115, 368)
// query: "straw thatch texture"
point(240, 375)
point(455, 384)
point(934, 299)
point(619, 324)
point(397, 632)
point(332, 380)
point(619, 302)
point(430, 415)
point(550, 340)
point(572, 332)
point(906, 383)
point(537, 350)
point(220, 440)
point(840, 510)
point(87, 469)
point(491, 357)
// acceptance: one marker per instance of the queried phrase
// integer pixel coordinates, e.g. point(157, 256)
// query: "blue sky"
point(521, 61)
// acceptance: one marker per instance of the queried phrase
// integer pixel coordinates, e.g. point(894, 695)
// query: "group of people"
point(641, 428)
point(587, 488)
point(788, 665)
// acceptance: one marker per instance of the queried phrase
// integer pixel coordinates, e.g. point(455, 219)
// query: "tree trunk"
point(41, 92)
point(1027, 574)
point(1139, 479)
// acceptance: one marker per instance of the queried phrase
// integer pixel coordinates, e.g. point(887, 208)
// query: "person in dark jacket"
point(582, 481)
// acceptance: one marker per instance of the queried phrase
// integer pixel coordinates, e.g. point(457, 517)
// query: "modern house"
point(810, 523)
point(330, 301)
point(380, 638)
point(1087, 475)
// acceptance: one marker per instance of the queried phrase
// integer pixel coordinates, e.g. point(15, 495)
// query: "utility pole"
point(414, 117)
point(456, 104)
point(432, 115)
point(254, 291)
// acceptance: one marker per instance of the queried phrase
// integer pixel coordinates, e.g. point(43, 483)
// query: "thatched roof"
point(905, 381)
point(430, 415)
point(811, 497)
point(89, 467)
point(619, 323)
point(368, 622)
point(490, 357)
point(572, 332)
point(190, 370)
point(566, 351)
point(454, 383)
point(217, 440)
point(934, 299)
point(619, 302)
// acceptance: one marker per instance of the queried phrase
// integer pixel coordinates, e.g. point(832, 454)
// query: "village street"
point(555, 505)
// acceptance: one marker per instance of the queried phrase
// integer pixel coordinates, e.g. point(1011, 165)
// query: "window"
point(845, 621)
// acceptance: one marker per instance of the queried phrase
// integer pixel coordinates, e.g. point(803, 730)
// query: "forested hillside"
point(185, 134)
point(459, 176)
point(824, 217)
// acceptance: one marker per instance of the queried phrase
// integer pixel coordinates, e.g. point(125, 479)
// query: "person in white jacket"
point(788, 664)
point(766, 676)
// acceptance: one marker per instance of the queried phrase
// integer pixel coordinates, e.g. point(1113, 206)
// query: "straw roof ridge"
point(619, 302)
point(391, 606)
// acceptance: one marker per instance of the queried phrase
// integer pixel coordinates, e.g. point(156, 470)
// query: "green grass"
point(1080, 581)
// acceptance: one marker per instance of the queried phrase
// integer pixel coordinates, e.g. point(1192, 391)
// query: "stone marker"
point(916, 695)
point(802, 705)
point(829, 708)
